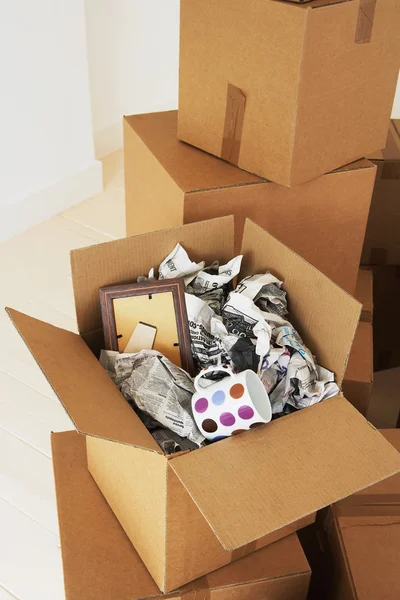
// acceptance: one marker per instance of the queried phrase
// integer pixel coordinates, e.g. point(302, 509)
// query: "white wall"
point(46, 141)
point(396, 105)
point(133, 62)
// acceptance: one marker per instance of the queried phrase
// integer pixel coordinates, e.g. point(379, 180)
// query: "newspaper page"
point(156, 386)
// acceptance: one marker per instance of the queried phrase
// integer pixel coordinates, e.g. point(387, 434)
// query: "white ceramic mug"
point(229, 406)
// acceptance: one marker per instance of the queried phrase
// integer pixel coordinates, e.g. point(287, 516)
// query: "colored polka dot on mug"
point(209, 425)
point(246, 412)
point(237, 391)
point(227, 419)
point(218, 397)
point(201, 405)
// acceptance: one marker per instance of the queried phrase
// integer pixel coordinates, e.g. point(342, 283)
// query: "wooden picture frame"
point(153, 304)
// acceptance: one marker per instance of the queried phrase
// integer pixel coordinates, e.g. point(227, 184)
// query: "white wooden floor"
point(35, 278)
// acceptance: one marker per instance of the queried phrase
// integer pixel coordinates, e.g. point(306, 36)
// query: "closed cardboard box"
point(170, 183)
point(288, 91)
point(364, 535)
point(190, 513)
point(100, 562)
point(382, 239)
point(359, 377)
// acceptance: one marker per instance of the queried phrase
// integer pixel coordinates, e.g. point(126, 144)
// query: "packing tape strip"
point(233, 127)
point(197, 590)
point(243, 550)
point(365, 21)
point(391, 170)
point(368, 505)
point(378, 256)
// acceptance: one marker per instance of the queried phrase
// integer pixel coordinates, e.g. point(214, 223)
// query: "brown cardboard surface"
point(357, 384)
point(336, 450)
point(101, 563)
point(319, 81)
point(309, 305)
point(324, 219)
point(91, 399)
point(254, 466)
point(131, 478)
point(382, 239)
point(123, 261)
point(367, 547)
point(364, 293)
point(183, 561)
point(360, 365)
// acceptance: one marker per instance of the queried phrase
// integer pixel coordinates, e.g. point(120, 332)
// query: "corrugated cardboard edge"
point(157, 451)
point(7, 309)
point(340, 380)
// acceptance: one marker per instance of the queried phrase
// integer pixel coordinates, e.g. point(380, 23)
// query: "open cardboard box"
point(288, 91)
point(107, 566)
point(190, 513)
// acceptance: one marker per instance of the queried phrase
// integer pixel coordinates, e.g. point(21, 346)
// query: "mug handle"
point(223, 369)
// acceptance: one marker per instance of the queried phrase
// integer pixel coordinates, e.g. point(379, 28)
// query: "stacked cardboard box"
point(291, 92)
point(169, 183)
point(364, 539)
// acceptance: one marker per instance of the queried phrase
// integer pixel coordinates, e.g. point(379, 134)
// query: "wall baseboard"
point(29, 211)
point(108, 140)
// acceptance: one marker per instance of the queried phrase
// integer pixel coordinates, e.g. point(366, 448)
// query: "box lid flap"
point(252, 484)
point(190, 168)
point(87, 393)
point(325, 315)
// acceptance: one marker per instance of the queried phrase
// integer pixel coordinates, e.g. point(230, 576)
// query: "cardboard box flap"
point(325, 315)
point(91, 399)
point(252, 484)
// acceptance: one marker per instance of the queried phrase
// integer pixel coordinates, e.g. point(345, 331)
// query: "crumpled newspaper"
point(266, 293)
point(207, 283)
point(288, 369)
point(246, 328)
point(154, 385)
